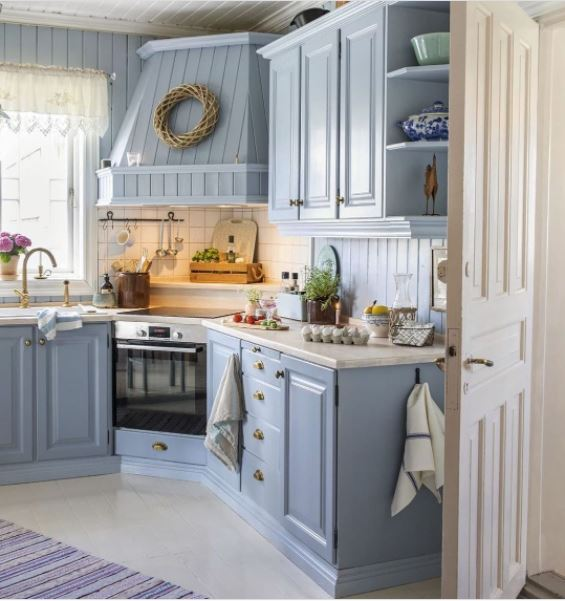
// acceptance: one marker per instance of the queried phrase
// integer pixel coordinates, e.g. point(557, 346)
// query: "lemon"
point(379, 310)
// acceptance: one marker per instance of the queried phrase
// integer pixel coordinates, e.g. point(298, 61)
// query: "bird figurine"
point(431, 186)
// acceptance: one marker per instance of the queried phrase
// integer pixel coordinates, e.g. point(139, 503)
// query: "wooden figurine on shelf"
point(431, 186)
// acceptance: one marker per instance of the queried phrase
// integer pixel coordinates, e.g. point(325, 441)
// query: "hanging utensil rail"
point(135, 220)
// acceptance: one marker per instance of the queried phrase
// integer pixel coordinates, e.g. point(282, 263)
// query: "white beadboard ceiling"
point(158, 17)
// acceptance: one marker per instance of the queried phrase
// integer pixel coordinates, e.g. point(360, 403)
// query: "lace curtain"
point(53, 98)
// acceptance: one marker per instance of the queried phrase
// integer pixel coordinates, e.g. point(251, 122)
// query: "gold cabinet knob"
point(159, 446)
point(258, 434)
point(440, 363)
point(279, 374)
point(258, 475)
point(27, 342)
point(256, 349)
point(292, 203)
point(340, 200)
point(259, 395)
point(259, 365)
point(42, 341)
point(299, 202)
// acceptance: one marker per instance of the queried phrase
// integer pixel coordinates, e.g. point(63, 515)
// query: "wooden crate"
point(226, 273)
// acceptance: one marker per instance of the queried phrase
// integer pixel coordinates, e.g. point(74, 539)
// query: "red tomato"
point(250, 319)
point(237, 317)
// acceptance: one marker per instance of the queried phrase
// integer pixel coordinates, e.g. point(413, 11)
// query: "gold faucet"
point(24, 292)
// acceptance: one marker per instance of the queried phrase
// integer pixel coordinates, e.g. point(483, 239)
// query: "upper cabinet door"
point(319, 139)
point(16, 394)
point(362, 116)
point(284, 137)
point(73, 394)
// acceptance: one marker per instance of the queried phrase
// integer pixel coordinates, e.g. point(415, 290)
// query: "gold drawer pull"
point(258, 395)
point(259, 365)
point(159, 446)
point(42, 341)
point(258, 434)
point(258, 475)
point(256, 349)
point(27, 342)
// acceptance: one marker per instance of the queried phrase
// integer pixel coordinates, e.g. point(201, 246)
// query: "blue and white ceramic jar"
point(432, 123)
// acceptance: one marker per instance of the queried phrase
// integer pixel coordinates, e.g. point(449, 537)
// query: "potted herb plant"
point(320, 290)
point(11, 247)
point(253, 297)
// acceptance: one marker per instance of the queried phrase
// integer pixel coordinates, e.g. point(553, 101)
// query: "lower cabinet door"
point(309, 462)
point(16, 394)
point(73, 393)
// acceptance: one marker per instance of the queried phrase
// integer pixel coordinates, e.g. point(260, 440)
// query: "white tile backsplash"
point(275, 252)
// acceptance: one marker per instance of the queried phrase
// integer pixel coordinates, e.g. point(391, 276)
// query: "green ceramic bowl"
point(431, 48)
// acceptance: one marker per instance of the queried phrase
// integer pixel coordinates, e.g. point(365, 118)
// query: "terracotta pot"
point(9, 271)
point(317, 315)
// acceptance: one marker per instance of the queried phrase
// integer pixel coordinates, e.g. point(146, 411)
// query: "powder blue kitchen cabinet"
point(54, 400)
point(309, 455)
point(72, 385)
point(220, 349)
point(16, 394)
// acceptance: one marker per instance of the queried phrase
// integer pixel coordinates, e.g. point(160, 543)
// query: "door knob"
point(279, 374)
point(292, 203)
point(255, 349)
point(258, 475)
point(159, 446)
point(259, 365)
point(258, 434)
point(258, 395)
point(340, 200)
point(440, 363)
point(299, 202)
point(42, 341)
point(473, 361)
point(27, 342)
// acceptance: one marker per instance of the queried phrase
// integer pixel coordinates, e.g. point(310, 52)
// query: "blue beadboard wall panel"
point(112, 52)
point(368, 266)
point(238, 77)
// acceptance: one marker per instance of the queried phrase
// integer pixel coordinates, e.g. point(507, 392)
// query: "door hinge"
point(335, 538)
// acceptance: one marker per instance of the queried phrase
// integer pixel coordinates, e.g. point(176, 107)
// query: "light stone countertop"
point(379, 351)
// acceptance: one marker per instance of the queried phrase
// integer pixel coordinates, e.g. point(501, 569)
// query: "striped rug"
point(33, 566)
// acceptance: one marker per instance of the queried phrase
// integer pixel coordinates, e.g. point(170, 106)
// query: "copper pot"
point(133, 290)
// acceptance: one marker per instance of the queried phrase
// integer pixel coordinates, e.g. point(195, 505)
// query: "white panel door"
point(491, 227)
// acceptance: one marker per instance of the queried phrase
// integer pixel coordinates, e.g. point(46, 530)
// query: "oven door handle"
point(167, 349)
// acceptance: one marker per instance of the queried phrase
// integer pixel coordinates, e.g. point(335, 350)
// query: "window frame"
point(85, 188)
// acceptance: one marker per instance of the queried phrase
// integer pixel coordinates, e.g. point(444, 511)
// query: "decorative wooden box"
point(226, 273)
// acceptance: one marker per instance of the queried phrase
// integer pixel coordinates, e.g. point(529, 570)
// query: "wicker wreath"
point(206, 125)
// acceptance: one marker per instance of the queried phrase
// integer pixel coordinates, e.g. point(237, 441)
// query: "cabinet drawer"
point(260, 482)
point(155, 445)
point(261, 439)
point(262, 400)
point(262, 367)
point(259, 350)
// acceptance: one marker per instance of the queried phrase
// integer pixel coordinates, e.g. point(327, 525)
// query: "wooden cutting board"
point(244, 232)
point(240, 324)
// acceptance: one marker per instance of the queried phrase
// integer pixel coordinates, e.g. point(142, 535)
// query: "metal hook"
point(171, 215)
point(417, 375)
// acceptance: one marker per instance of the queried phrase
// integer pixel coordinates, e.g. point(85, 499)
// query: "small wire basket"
point(412, 333)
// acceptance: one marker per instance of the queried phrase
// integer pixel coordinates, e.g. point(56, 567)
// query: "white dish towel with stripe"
point(423, 461)
point(222, 431)
point(50, 321)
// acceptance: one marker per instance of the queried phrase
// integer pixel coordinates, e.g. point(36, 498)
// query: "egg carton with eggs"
point(335, 335)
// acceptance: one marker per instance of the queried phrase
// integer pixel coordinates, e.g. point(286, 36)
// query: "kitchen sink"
point(13, 312)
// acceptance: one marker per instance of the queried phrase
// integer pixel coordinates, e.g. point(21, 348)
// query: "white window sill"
point(42, 288)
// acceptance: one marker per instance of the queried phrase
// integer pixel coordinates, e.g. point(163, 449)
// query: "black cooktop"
point(182, 312)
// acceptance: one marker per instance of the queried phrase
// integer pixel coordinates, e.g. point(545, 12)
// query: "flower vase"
point(9, 270)
point(317, 315)
point(250, 308)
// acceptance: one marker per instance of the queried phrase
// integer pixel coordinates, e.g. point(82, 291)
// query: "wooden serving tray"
point(223, 272)
point(234, 324)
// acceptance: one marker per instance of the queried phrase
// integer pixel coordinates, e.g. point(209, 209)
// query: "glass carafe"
point(402, 299)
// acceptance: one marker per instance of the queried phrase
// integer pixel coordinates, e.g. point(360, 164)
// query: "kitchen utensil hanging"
point(172, 250)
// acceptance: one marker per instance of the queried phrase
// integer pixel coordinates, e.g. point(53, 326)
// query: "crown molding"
point(207, 41)
point(25, 17)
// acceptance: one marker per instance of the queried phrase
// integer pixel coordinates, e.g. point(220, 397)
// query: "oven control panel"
point(135, 330)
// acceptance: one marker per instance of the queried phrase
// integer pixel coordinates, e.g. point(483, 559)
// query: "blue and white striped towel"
point(50, 321)
point(423, 461)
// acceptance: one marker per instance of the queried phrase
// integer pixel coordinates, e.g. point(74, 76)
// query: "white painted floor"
point(170, 529)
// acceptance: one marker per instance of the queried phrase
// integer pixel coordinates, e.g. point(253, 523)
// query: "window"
point(40, 197)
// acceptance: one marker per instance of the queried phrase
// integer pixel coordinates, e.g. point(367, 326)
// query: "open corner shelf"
point(429, 73)
point(422, 146)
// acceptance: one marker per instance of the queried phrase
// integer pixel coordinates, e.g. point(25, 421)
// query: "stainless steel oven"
point(160, 377)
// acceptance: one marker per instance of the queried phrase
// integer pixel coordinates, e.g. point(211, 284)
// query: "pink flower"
point(22, 240)
point(2, 234)
point(6, 244)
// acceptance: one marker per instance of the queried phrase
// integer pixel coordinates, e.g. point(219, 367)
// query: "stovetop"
point(196, 312)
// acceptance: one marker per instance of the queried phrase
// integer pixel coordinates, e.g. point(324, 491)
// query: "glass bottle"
point(285, 282)
point(106, 287)
point(294, 282)
point(402, 299)
point(231, 250)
